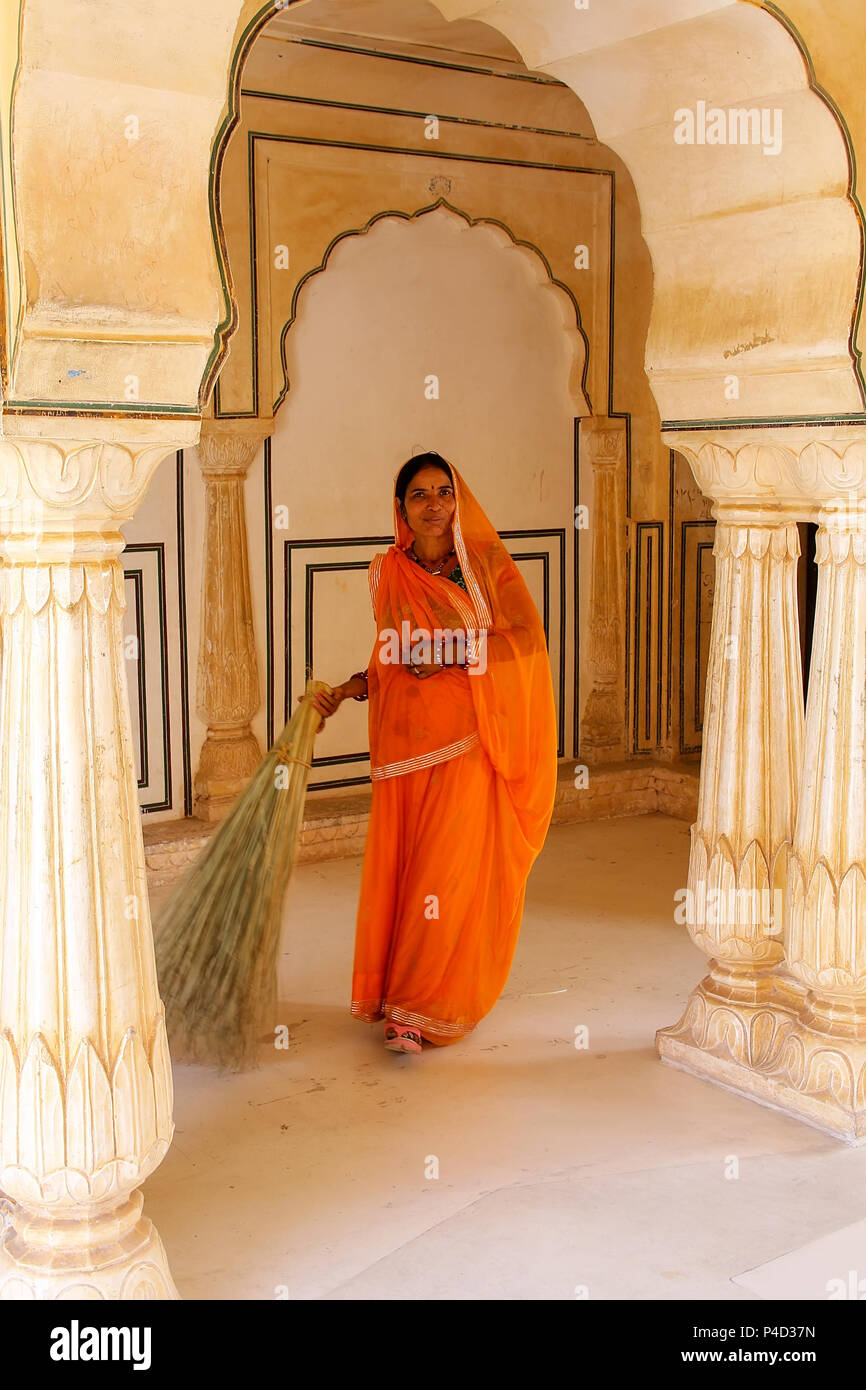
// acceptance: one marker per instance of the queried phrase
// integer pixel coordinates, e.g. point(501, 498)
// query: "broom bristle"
point(216, 938)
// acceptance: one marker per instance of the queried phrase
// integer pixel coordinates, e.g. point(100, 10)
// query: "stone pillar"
point(85, 1076)
point(784, 1025)
point(826, 916)
point(228, 680)
point(603, 719)
point(753, 736)
point(747, 1025)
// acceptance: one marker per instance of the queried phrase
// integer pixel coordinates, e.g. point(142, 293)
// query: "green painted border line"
point(462, 156)
point(371, 109)
point(471, 69)
point(255, 343)
point(13, 337)
point(747, 422)
point(146, 408)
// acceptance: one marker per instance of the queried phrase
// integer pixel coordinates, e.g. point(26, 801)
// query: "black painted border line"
point(157, 548)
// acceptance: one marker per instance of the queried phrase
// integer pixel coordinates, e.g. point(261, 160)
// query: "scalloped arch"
point(546, 280)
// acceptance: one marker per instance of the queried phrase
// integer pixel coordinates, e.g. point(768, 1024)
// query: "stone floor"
point(562, 1172)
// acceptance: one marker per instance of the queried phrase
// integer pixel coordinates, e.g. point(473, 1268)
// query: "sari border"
point(482, 612)
point(374, 574)
point(424, 760)
point(373, 1010)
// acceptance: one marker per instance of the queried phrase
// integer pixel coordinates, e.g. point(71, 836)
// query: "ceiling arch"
point(746, 245)
point(756, 255)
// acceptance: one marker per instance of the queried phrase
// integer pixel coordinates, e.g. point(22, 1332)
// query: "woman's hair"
point(413, 466)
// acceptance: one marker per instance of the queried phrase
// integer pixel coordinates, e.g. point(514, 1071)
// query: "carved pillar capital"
point(227, 447)
point(775, 470)
point(604, 439)
point(75, 483)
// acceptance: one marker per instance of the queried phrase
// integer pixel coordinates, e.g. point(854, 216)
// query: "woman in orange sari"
point(463, 764)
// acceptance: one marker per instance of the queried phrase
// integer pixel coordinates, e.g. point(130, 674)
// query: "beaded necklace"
point(419, 561)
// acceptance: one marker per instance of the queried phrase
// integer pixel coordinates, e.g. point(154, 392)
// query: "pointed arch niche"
point(430, 331)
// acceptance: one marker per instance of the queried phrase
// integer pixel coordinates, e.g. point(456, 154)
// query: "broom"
point(217, 936)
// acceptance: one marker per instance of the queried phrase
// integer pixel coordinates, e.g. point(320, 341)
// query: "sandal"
point(402, 1037)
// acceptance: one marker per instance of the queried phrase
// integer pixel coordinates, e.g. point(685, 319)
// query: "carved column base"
point(229, 757)
point(771, 1052)
point(731, 982)
point(602, 728)
point(116, 1254)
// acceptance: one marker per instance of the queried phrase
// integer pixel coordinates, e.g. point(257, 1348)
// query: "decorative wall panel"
point(155, 644)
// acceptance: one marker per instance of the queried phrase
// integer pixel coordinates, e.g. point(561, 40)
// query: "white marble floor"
point(562, 1172)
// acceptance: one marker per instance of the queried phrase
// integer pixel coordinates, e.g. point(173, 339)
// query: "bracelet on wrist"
point(361, 676)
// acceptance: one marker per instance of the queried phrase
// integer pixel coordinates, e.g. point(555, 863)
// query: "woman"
point(463, 764)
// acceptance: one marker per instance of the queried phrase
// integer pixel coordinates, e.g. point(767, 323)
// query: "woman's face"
point(430, 503)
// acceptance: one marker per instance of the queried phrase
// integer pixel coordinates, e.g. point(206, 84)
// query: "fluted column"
point(750, 763)
point(826, 921)
point(603, 720)
point(85, 1076)
point(784, 1025)
point(228, 680)
point(752, 745)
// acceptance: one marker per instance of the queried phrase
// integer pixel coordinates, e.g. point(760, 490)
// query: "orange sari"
point(463, 766)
